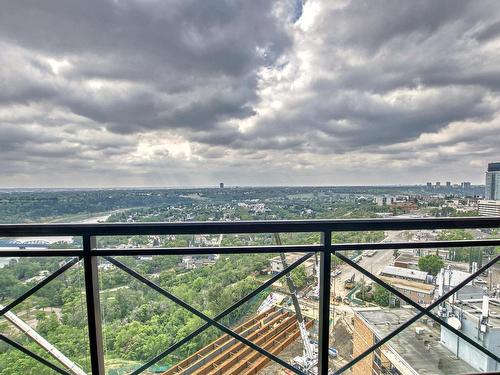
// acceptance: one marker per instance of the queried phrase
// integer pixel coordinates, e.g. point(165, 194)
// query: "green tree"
point(299, 276)
point(455, 235)
point(381, 296)
point(431, 264)
point(9, 285)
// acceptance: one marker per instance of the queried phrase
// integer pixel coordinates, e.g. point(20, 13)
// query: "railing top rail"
point(226, 227)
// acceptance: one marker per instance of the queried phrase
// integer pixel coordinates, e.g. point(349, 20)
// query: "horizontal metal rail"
point(415, 245)
point(247, 249)
point(235, 227)
point(90, 252)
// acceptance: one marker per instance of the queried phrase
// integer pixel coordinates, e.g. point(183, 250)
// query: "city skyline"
point(108, 94)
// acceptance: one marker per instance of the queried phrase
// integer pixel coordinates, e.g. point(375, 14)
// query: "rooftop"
point(409, 285)
point(406, 258)
point(452, 277)
point(494, 167)
point(404, 272)
point(473, 308)
point(423, 353)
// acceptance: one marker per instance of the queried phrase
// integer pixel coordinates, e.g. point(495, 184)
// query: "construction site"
point(284, 331)
point(274, 330)
point(286, 324)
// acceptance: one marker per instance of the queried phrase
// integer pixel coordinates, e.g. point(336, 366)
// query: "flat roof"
point(494, 167)
point(406, 257)
point(288, 256)
point(423, 353)
point(452, 277)
point(409, 285)
point(404, 272)
point(474, 307)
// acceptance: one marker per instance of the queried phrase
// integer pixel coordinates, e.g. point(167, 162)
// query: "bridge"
point(24, 244)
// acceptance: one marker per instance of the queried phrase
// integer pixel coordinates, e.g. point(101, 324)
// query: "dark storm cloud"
point(12, 137)
point(491, 31)
point(190, 36)
point(191, 90)
point(184, 61)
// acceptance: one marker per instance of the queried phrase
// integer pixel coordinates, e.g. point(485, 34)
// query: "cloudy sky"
point(183, 92)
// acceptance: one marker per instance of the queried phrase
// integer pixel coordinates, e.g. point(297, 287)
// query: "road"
point(373, 264)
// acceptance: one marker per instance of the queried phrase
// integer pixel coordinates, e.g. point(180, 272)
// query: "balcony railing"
point(90, 253)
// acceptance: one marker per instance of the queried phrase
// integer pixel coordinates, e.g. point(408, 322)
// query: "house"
point(406, 274)
point(421, 293)
point(277, 265)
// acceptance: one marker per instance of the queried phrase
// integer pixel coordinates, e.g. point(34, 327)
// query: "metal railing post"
point(93, 306)
point(324, 303)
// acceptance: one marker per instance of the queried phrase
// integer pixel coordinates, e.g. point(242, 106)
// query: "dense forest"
point(44, 205)
point(139, 323)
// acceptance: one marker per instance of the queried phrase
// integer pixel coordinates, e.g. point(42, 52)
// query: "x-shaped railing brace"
point(423, 311)
point(214, 322)
point(23, 297)
point(210, 321)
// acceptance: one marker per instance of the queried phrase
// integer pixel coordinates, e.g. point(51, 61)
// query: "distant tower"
point(492, 191)
point(429, 185)
point(448, 184)
point(438, 184)
point(221, 185)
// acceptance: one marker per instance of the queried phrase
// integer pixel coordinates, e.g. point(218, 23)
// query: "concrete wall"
point(467, 352)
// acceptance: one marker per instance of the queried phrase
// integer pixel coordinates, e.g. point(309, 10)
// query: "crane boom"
point(308, 348)
point(72, 367)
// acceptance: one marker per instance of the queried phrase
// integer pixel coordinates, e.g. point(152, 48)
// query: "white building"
point(384, 200)
point(478, 319)
point(277, 265)
point(406, 274)
point(489, 208)
point(448, 279)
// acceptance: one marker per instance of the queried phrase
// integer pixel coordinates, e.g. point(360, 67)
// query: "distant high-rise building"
point(465, 185)
point(429, 185)
point(492, 191)
point(384, 200)
point(438, 184)
point(221, 185)
point(448, 184)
